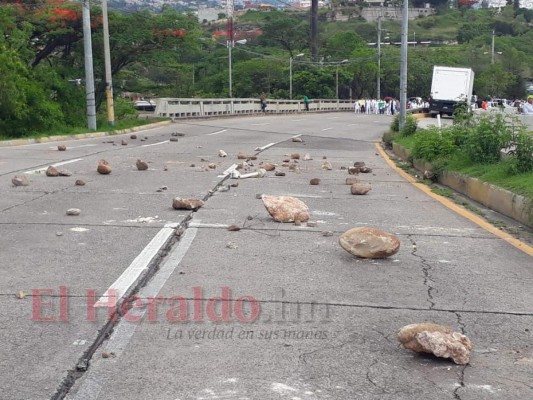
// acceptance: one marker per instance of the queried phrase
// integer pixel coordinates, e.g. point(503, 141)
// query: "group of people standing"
point(376, 106)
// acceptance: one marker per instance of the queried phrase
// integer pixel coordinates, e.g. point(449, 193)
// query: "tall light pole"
point(379, 59)
point(403, 68)
point(89, 74)
point(230, 33)
point(492, 49)
point(107, 62)
point(290, 73)
point(337, 78)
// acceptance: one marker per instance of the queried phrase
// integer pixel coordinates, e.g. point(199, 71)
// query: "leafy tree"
point(289, 32)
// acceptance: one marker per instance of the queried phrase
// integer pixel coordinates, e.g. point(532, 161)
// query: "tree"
point(285, 31)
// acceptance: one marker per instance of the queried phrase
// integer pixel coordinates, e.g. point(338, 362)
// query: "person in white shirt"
point(527, 108)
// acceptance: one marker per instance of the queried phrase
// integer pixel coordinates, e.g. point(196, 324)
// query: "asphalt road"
point(327, 322)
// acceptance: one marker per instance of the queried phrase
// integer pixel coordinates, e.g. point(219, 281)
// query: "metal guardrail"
point(196, 107)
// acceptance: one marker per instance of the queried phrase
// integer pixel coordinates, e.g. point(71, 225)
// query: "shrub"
point(485, 141)
point(523, 154)
point(434, 143)
point(411, 124)
point(395, 124)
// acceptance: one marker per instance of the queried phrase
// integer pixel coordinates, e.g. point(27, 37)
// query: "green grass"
point(406, 141)
point(444, 192)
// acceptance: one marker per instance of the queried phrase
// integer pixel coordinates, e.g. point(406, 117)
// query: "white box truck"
point(450, 85)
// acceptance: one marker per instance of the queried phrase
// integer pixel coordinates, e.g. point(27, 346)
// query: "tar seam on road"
point(454, 207)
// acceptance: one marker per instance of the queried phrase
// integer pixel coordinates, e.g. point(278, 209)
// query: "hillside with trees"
point(170, 54)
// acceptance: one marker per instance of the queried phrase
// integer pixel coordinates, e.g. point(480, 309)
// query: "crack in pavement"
point(426, 269)
point(26, 202)
point(461, 374)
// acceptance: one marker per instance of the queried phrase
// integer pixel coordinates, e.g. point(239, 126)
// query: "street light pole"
point(107, 62)
point(492, 48)
point(379, 59)
point(337, 78)
point(290, 73)
point(89, 74)
point(403, 67)
point(230, 45)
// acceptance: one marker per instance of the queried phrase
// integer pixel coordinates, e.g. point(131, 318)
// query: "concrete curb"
point(89, 135)
point(505, 202)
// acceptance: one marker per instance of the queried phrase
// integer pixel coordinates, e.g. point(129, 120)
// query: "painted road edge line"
point(156, 144)
point(217, 132)
point(456, 208)
point(137, 267)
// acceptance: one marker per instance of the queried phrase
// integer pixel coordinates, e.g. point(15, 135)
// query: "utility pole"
point(230, 35)
point(89, 75)
point(314, 29)
point(403, 69)
point(107, 62)
point(379, 59)
point(492, 49)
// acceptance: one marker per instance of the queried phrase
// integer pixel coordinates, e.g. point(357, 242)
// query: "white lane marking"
point(217, 132)
point(296, 120)
point(265, 147)
point(326, 129)
point(333, 118)
point(352, 124)
point(130, 276)
point(266, 123)
point(155, 144)
point(75, 147)
point(33, 171)
point(95, 379)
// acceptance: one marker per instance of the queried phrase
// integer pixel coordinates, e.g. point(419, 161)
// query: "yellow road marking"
point(454, 207)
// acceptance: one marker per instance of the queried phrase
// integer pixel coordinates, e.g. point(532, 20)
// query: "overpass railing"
point(187, 107)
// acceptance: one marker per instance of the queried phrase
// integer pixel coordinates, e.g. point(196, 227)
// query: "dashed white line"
point(33, 171)
point(296, 120)
point(352, 124)
point(217, 132)
point(155, 144)
point(326, 129)
point(75, 147)
point(266, 123)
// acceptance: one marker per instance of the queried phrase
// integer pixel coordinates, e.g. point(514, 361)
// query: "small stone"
point(179, 232)
point(297, 139)
point(268, 166)
point(285, 164)
point(105, 355)
point(259, 196)
point(312, 224)
point(103, 167)
point(61, 147)
point(327, 233)
point(343, 168)
point(327, 165)
point(180, 134)
point(64, 172)
point(324, 158)
point(294, 168)
point(365, 169)
point(236, 184)
point(354, 170)
point(352, 181)
point(211, 166)
point(295, 156)
point(141, 165)
point(174, 134)
point(143, 140)
point(232, 246)
point(59, 233)
point(359, 189)
point(297, 222)
point(163, 188)
point(286, 208)
point(252, 158)
point(133, 137)
point(222, 153)
point(20, 180)
point(359, 164)
point(367, 242)
point(307, 157)
point(73, 211)
point(52, 171)
point(165, 168)
point(79, 182)
point(279, 173)
point(241, 156)
point(20, 295)
point(286, 160)
point(438, 340)
point(234, 228)
point(186, 204)
point(173, 139)
point(123, 142)
point(192, 165)
point(314, 181)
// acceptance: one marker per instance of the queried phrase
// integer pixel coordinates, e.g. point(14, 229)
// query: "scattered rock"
point(180, 134)
point(252, 158)
point(64, 172)
point(61, 147)
point(354, 170)
point(241, 156)
point(141, 165)
point(312, 224)
point(123, 142)
point(79, 182)
point(359, 189)
point(133, 137)
point(259, 196)
point(295, 156)
point(307, 157)
point(174, 134)
point(59, 233)
point(52, 171)
point(268, 166)
point(327, 233)
point(366, 242)
point(143, 140)
point(438, 340)
point(297, 222)
point(222, 153)
point(20, 295)
point(192, 165)
point(232, 246)
point(286, 208)
point(223, 188)
point(286, 160)
point(234, 228)
point(327, 165)
point(236, 184)
point(211, 166)
point(20, 180)
point(279, 173)
point(314, 181)
point(297, 139)
point(359, 164)
point(365, 170)
point(73, 211)
point(294, 168)
point(163, 187)
point(324, 158)
point(173, 139)
point(351, 181)
point(285, 164)
point(186, 204)
point(430, 175)
point(103, 167)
